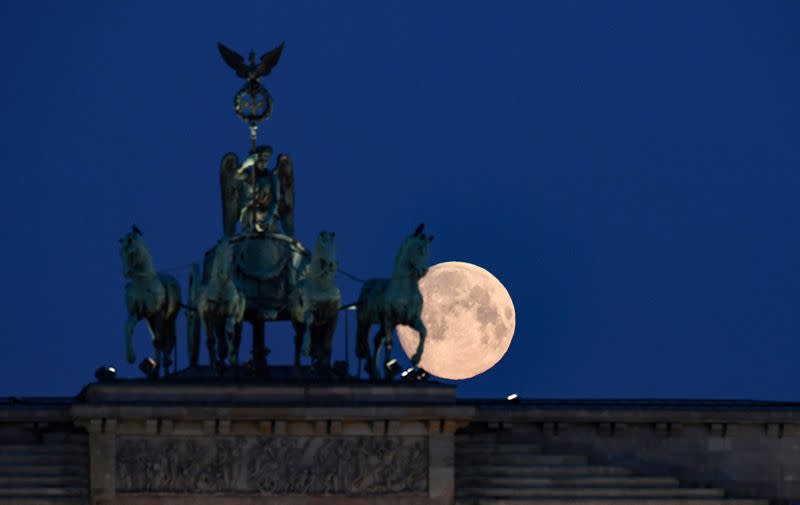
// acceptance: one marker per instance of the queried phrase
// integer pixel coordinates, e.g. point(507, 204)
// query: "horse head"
point(412, 256)
point(223, 259)
point(323, 255)
point(135, 257)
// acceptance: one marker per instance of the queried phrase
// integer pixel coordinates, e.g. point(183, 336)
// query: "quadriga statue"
point(389, 302)
point(149, 295)
point(314, 306)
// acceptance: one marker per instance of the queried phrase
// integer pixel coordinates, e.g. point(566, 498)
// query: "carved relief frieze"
point(273, 465)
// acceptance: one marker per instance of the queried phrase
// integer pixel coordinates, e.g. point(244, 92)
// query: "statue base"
point(191, 440)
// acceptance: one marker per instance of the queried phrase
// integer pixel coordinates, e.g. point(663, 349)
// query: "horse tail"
point(367, 311)
point(173, 298)
point(169, 310)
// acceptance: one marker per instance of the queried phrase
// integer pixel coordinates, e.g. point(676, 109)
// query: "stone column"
point(102, 460)
point(441, 460)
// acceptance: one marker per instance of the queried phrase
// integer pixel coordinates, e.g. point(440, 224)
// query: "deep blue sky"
point(629, 170)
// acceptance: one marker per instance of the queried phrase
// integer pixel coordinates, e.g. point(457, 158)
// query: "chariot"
point(265, 269)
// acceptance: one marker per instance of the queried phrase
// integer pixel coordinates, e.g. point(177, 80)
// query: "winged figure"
point(255, 196)
point(251, 70)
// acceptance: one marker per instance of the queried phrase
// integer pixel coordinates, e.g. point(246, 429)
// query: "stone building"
point(138, 442)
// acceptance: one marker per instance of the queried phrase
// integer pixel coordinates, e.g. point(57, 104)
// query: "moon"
point(470, 320)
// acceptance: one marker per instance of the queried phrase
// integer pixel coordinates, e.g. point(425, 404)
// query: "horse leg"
point(308, 320)
point(167, 342)
point(237, 333)
point(222, 347)
point(130, 324)
point(160, 346)
point(418, 325)
point(230, 336)
point(362, 344)
point(154, 326)
point(387, 352)
point(299, 330)
point(326, 340)
point(377, 342)
point(193, 337)
point(322, 341)
point(222, 342)
point(317, 365)
point(210, 344)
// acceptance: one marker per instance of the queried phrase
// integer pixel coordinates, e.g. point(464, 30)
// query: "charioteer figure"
point(260, 199)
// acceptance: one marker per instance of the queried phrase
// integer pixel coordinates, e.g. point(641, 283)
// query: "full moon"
point(469, 317)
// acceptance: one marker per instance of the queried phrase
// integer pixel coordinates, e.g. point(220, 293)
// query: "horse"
point(389, 302)
point(314, 305)
point(151, 296)
point(220, 306)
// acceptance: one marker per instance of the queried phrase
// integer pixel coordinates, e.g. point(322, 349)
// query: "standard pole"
point(253, 134)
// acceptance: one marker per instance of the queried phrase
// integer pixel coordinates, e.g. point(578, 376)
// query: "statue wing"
point(285, 173)
point(233, 59)
point(229, 184)
point(269, 60)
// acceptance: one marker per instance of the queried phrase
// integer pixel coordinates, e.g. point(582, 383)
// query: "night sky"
point(629, 170)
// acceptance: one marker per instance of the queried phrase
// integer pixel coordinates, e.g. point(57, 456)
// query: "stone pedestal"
point(226, 443)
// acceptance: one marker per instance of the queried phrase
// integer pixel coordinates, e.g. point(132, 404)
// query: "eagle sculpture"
point(252, 70)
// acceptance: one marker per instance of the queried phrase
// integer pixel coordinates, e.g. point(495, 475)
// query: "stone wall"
point(223, 443)
point(752, 449)
point(200, 443)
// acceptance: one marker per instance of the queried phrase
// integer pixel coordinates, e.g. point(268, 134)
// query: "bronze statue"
point(251, 71)
point(252, 103)
point(389, 302)
point(260, 272)
point(255, 196)
point(220, 306)
point(268, 259)
point(314, 306)
point(149, 295)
